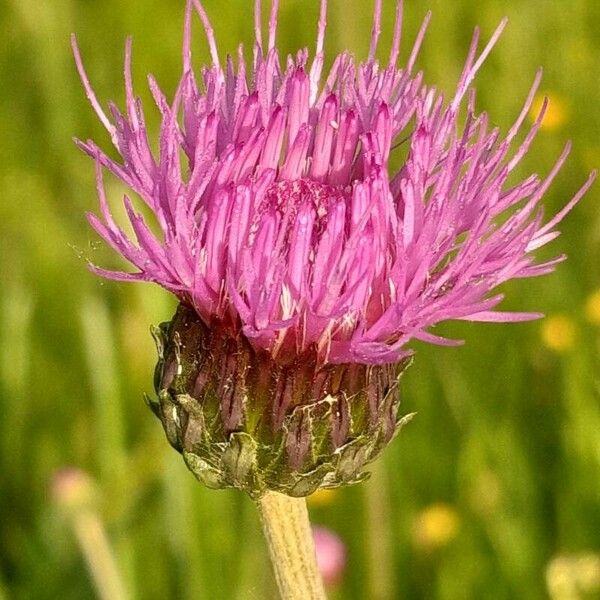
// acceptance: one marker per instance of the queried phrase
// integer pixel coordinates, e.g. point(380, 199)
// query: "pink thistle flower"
point(286, 223)
point(303, 265)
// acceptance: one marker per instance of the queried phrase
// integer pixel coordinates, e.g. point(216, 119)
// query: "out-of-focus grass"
point(497, 475)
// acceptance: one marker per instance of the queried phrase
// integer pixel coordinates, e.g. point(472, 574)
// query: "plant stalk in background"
point(74, 493)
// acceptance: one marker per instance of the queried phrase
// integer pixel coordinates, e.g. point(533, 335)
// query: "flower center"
point(288, 196)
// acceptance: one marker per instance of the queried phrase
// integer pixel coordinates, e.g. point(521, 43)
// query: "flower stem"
point(289, 537)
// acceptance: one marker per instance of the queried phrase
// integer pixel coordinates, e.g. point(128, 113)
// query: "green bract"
point(242, 420)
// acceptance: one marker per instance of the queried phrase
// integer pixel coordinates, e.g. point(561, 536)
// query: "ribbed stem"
point(291, 547)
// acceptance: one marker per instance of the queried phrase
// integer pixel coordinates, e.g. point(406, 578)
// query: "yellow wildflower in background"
point(436, 526)
point(574, 577)
point(322, 497)
point(592, 308)
point(557, 111)
point(559, 333)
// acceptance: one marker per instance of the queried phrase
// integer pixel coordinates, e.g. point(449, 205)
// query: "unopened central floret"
point(287, 197)
point(290, 195)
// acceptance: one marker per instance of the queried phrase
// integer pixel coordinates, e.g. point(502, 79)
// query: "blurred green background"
point(492, 491)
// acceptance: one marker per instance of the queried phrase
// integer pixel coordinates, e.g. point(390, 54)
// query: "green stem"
point(380, 552)
point(98, 555)
point(291, 547)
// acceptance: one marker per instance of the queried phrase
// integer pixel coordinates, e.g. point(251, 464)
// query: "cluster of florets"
point(286, 223)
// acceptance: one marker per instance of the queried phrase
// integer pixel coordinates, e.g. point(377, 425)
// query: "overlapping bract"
point(286, 223)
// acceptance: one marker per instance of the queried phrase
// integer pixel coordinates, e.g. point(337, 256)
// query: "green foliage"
point(506, 435)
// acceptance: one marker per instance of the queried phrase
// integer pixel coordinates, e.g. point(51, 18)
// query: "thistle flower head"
point(286, 222)
point(294, 248)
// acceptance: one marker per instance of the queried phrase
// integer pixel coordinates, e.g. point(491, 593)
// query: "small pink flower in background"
point(72, 489)
point(331, 555)
point(286, 224)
